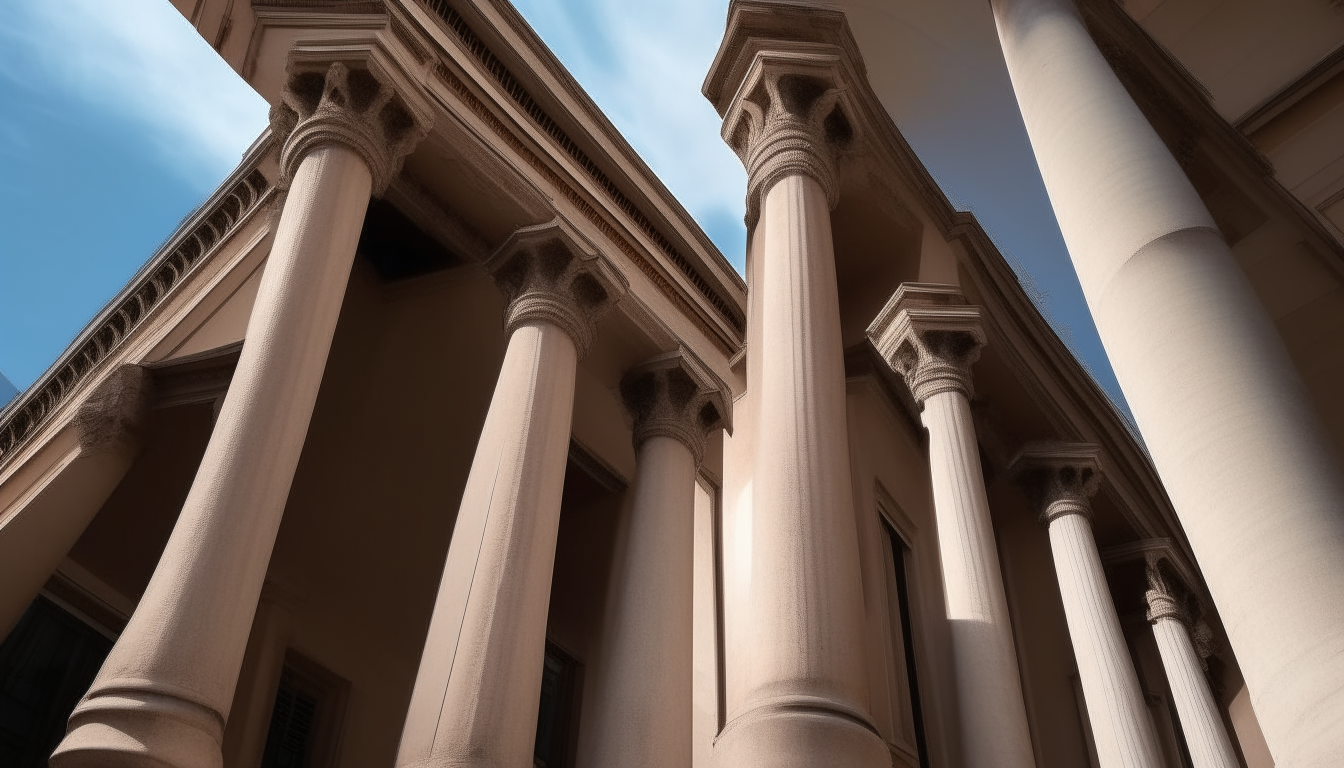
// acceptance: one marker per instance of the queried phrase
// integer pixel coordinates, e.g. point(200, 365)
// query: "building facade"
point(442, 436)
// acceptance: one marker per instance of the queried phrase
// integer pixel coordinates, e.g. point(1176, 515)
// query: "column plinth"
point(804, 689)
point(162, 696)
point(641, 694)
point(1232, 430)
point(1060, 479)
point(479, 684)
point(929, 335)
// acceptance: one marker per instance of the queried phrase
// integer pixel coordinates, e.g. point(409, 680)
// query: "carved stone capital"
point(1166, 598)
point(550, 273)
point(351, 95)
point(788, 118)
point(931, 336)
point(116, 413)
point(675, 395)
point(1059, 478)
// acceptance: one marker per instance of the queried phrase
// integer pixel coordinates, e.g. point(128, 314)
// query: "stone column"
point(641, 692)
point(929, 335)
point(804, 680)
point(163, 695)
point(1231, 429)
point(479, 685)
point(1060, 478)
point(1205, 734)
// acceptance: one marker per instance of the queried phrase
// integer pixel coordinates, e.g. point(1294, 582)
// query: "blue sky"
point(116, 122)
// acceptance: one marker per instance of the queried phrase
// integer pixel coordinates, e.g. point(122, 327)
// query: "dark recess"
point(397, 248)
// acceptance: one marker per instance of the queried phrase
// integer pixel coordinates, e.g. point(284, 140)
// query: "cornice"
point(243, 193)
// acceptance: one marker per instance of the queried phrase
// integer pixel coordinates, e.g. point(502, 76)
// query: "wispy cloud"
point(643, 64)
point(138, 61)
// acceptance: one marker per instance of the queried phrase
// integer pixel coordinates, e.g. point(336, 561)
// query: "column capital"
point(931, 336)
point(1165, 596)
point(353, 94)
point(675, 395)
point(1059, 478)
point(116, 413)
point(551, 273)
point(781, 81)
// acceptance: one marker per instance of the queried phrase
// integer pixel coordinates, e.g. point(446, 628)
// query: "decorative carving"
point(550, 273)
point(675, 395)
point(114, 414)
point(1059, 478)
point(217, 220)
point(496, 68)
point(1166, 600)
point(331, 102)
point(788, 118)
point(931, 336)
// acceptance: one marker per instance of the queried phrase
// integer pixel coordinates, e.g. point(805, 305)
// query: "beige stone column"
point(163, 695)
point(929, 335)
point(641, 689)
point(1232, 432)
point(479, 685)
point(1205, 734)
point(45, 522)
point(1060, 478)
point(803, 674)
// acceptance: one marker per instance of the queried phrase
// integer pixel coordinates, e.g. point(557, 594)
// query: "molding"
point(244, 193)
point(596, 467)
point(1283, 99)
point(203, 377)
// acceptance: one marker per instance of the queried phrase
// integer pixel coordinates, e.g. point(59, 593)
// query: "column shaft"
point(1115, 705)
point(642, 692)
point(1205, 734)
point(163, 694)
point(476, 696)
point(804, 675)
point(1232, 432)
point(994, 727)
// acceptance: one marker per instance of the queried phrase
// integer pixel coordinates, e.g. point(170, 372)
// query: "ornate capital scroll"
point(931, 336)
point(114, 415)
point(550, 273)
point(1166, 597)
point(352, 95)
point(1059, 478)
point(675, 395)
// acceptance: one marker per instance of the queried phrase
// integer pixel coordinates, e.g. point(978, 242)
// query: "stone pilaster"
point(640, 696)
point(163, 695)
point(479, 683)
point(1060, 479)
point(931, 336)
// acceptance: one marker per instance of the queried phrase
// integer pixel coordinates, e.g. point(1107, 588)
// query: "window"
point(906, 687)
point(47, 663)
point(555, 719)
point(306, 719)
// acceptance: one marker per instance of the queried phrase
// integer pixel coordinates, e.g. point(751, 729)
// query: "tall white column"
point(1232, 432)
point(163, 695)
point(803, 674)
point(479, 685)
point(1205, 734)
point(641, 691)
point(1060, 478)
point(929, 335)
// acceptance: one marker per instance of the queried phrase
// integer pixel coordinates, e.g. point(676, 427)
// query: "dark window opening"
point(47, 663)
point(898, 555)
point(555, 716)
point(306, 718)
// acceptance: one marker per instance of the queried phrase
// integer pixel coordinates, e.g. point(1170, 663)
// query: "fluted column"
point(641, 692)
point(479, 684)
point(1205, 734)
point(163, 695)
point(929, 335)
point(804, 678)
point(1060, 479)
point(1231, 428)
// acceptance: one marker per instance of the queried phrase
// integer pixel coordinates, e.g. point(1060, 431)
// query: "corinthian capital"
point(352, 95)
point(1166, 597)
point(931, 336)
point(1059, 478)
point(675, 395)
point(550, 273)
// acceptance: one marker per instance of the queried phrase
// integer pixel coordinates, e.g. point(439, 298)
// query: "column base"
point(125, 728)
point(800, 732)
